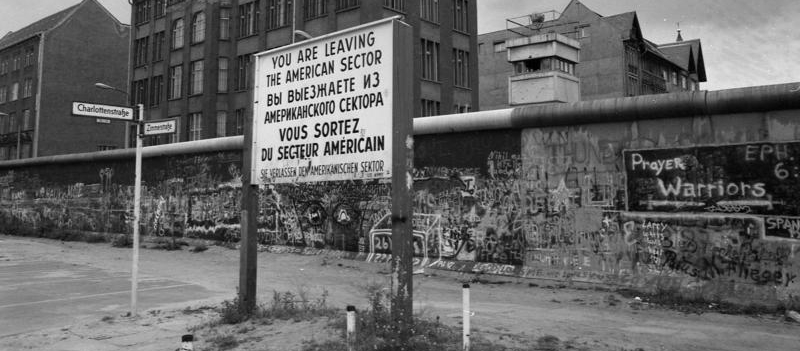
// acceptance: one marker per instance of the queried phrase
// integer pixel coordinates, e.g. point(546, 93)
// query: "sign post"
point(85, 109)
point(336, 108)
point(137, 199)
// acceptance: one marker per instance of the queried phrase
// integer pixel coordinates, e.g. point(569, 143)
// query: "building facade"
point(192, 60)
point(615, 60)
point(52, 62)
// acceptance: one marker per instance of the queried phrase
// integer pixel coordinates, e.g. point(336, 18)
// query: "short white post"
point(351, 328)
point(186, 342)
point(466, 315)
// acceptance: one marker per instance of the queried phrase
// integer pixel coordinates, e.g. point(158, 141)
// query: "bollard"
point(351, 328)
point(186, 342)
point(466, 315)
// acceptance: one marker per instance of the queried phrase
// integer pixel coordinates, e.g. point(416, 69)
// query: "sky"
point(745, 42)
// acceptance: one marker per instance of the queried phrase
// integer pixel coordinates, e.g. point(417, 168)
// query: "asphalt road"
point(49, 293)
point(55, 296)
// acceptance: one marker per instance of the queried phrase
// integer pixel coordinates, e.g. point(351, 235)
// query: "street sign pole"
point(248, 244)
point(402, 181)
point(137, 191)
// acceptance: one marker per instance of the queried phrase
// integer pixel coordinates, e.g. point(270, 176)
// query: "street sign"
point(323, 108)
point(166, 126)
point(102, 111)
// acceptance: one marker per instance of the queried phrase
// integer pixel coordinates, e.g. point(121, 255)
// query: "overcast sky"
point(745, 42)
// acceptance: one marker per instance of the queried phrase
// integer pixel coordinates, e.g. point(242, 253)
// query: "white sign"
point(102, 111)
point(323, 108)
point(167, 126)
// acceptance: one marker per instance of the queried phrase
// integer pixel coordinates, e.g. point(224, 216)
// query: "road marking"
point(67, 281)
point(94, 295)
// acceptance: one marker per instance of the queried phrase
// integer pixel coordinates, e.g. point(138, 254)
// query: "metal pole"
point(248, 245)
point(137, 191)
point(294, 20)
point(466, 315)
point(402, 184)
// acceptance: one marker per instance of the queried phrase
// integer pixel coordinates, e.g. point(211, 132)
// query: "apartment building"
point(192, 60)
point(52, 62)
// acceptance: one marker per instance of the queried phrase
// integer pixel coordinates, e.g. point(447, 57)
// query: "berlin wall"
point(692, 194)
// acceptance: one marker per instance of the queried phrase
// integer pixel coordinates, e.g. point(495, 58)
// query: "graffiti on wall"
point(561, 203)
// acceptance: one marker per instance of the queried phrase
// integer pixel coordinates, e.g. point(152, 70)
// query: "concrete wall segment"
point(536, 192)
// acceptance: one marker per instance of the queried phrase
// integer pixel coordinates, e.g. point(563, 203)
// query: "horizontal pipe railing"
point(674, 105)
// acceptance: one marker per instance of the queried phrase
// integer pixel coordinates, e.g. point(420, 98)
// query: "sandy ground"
point(515, 313)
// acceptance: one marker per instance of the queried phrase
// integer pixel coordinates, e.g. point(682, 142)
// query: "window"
point(140, 51)
point(3, 95)
point(4, 66)
point(159, 8)
point(544, 64)
point(222, 119)
point(26, 149)
point(15, 63)
point(632, 88)
point(500, 46)
point(158, 46)
point(399, 5)
point(224, 23)
point(632, 60)
point(248, 19)
point(222, 75)
point(177, 33)
point(240, 121)
point(3, 124)
point(582, 31)
point(14, 92)
point(315, 8)
point(278, 13)
point(429, 10)
point(563, 66)
point(199, 27)
point(242, 72)
point(430, 60)
point(156, 90)
point(29, 57)
point(4, 153)
point(195, 126)
point(458, 108)
point(664, 74)
point(175, 81)
point(139, 91)
point(196, 78)
point(12, 122)
point(460, 15)
point(27, 88)
point(461, 68)
point(26, 120)
point(683, 82)
point(430, 108)
point(674, 78)
point(141, 11)
point(346, 4)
